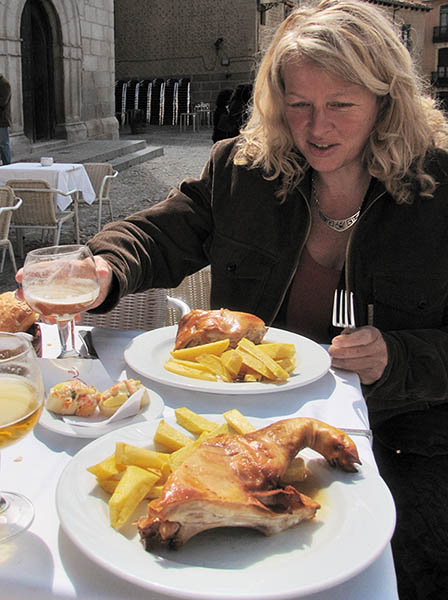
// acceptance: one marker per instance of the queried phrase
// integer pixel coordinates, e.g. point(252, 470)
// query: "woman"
point(339, 179)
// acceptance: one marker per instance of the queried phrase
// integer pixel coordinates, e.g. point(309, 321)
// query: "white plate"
point(148, 352)
point(350, 531)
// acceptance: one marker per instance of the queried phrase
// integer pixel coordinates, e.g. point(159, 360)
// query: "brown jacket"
point(397, 263)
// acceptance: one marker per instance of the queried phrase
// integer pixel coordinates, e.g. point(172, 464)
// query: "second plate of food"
point(350, 530)
point(148, 353)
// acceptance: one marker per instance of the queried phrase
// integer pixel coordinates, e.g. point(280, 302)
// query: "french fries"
point(238, 421)
point(133, 474)
point(170, 438)
point(130, 491)
point(269, 362)
point(193, 422)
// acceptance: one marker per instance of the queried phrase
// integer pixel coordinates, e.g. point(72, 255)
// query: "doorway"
point(41, 51)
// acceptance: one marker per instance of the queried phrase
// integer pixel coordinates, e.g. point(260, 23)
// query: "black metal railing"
point(440, 34)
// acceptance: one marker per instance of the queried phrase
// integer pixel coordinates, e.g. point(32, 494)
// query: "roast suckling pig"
point(205, 326)
point(233, 480)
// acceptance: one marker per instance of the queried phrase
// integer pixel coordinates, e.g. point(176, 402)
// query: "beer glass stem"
point(66, 331)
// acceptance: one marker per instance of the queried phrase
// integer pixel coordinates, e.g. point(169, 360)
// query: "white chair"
point(194, 291)
point(142, 310)
point(100, 175)
point(7, 206)
point(39, 210)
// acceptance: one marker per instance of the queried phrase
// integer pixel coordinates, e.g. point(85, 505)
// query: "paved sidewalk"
point(135, 188)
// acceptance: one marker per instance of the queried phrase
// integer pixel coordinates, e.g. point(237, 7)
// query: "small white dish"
point(46, 161)
point(96, 428)
point(92, 372)
point(130, 408)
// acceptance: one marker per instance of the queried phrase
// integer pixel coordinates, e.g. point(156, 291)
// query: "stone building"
point(59, 58)
point(436, 49)
point(217, 44)
point(214, 44)
point(409, 16)
point(63, 57)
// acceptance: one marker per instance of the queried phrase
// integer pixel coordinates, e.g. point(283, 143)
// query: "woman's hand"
point(104, 274)
point(363, 351)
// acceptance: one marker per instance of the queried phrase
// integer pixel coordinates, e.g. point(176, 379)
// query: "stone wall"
point(168, 38)
point(83, 37)
point(96, 19)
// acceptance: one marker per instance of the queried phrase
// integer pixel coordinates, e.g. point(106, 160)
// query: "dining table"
point(61, 176)
point(43, 562)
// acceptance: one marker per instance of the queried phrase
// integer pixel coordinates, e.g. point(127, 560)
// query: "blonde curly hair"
point(355, 41)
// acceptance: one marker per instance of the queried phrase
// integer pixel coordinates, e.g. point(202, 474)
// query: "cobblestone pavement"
point(135, 188)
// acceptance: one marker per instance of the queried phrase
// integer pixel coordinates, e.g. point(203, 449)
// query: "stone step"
point(137, 157)
point(121, 153)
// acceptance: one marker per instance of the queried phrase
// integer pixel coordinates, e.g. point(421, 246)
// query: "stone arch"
point(65, 22)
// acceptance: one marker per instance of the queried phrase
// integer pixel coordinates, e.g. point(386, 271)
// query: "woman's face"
point(329, 118)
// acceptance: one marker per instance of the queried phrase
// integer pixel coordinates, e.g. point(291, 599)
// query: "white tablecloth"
point(61, 176)
point(43, 563)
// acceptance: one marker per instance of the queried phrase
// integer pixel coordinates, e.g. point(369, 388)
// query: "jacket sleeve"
point(416, 375)
point(159, 246)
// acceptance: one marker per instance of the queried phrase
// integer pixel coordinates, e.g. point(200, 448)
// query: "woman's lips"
point(321, 149)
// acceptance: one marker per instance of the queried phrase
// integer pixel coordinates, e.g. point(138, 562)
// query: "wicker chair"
point(100, 175)
point(39, 211)
point(143, 310)
point(193, 291)
point(7, 206)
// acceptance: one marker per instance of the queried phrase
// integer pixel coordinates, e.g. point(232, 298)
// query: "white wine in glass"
point(21, 403)
point(60, 282)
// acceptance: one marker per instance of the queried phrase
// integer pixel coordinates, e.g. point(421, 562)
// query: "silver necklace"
point(335, 224)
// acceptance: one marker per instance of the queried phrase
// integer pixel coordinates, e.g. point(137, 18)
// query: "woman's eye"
point(341, 104)
point(299, 104)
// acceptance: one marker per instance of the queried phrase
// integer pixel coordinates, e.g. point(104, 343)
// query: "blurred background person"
point(5, 120)
point(239, 108)
point(220, 116)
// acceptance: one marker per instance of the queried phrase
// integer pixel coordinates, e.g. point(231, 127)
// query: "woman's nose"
point(320, 122)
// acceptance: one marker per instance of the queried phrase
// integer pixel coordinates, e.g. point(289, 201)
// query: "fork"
point(87, 349)
point(344, 310)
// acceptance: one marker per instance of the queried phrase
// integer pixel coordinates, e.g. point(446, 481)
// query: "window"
point(406, 36)
point(444, 15)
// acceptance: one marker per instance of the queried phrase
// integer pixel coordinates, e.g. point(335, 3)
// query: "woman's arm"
point(400, 370)
point(161, 245)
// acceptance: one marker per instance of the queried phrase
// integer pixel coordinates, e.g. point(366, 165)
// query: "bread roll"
point(73, 397)
point(115, 396)
point(15, 314)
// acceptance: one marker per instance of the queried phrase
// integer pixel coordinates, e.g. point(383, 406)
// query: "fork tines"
point(343, 309)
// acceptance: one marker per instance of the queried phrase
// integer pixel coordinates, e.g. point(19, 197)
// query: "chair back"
point(194, 290)
point(143, 310)
point(97, 173)
point(38, 205)
point(7, 199)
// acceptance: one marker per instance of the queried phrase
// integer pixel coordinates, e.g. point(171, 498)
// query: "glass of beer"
point(60, 282)
point(21, 403)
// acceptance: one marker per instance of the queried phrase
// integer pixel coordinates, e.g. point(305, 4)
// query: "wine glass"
point(59, 282)
point(21, 403)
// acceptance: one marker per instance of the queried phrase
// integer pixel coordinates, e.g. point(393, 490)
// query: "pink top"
point(311, 299)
